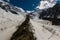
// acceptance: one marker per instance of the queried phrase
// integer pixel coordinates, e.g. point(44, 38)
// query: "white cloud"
point(46, 4)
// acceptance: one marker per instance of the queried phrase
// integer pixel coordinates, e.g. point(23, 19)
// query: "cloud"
point(46, 4)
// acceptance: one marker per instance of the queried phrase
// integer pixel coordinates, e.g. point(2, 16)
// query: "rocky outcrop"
point(52, 14)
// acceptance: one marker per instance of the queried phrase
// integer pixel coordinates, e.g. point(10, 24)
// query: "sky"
point(26, 4)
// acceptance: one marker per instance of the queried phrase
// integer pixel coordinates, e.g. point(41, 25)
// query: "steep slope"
point(45, 31)
point(8, 21)
point(14, 25)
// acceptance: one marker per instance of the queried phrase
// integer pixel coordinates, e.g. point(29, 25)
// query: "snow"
point(0, 0)
point(8, 23)
point(28, 11)
point(39, 31)
point(45, 31)
point(20, 9)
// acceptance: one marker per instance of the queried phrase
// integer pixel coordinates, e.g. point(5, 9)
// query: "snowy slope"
point(45, 31)
point(10, 18)
point(8, 23)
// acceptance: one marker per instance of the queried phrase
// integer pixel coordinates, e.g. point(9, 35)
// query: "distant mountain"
point(51, 13)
